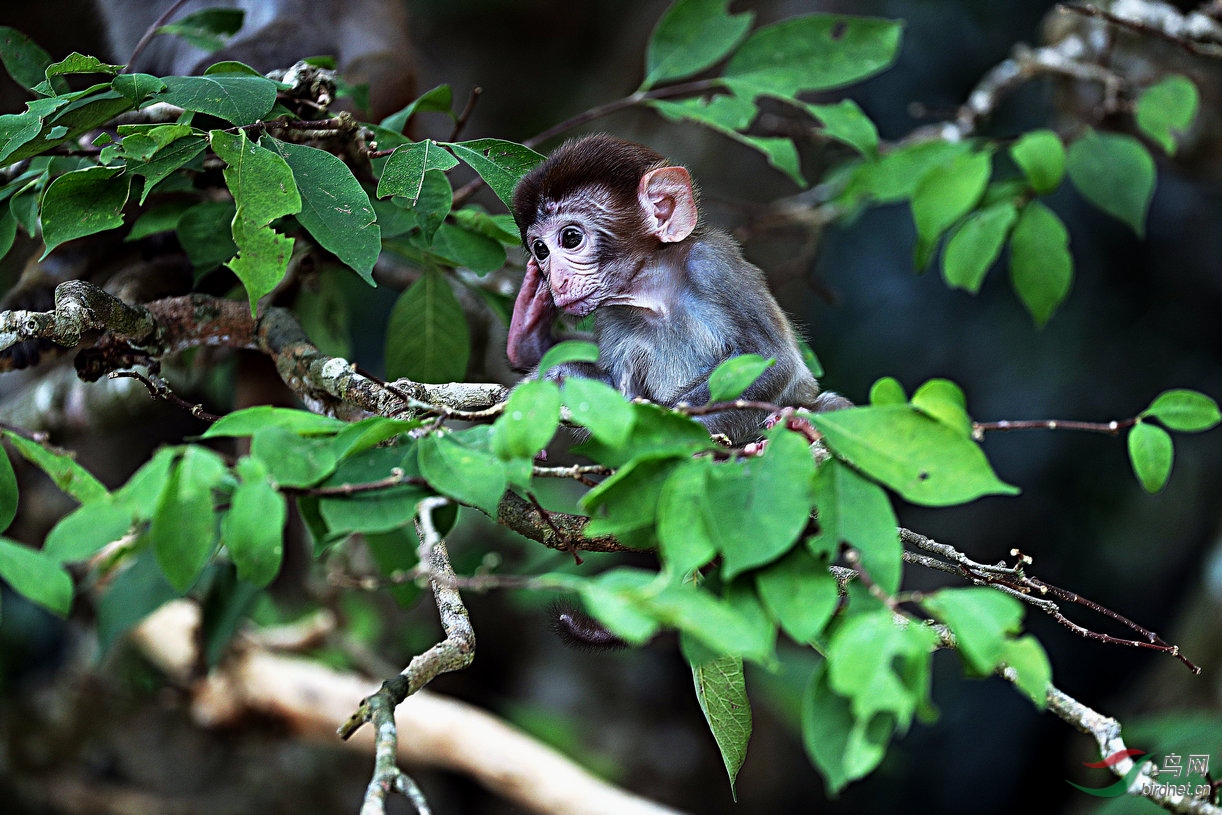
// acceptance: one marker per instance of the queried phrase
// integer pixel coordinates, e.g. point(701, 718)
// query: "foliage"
point(742, 558)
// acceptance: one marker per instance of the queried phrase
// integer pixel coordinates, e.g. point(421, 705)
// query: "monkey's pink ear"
point(668, 203)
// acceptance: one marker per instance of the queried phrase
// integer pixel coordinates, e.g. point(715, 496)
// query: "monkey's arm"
point(530, 328)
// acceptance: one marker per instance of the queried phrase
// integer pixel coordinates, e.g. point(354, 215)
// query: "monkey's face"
point(565, 250)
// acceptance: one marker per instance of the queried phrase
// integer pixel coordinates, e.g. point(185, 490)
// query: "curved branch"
point(134, 334)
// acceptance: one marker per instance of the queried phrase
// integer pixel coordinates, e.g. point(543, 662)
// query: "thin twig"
point(1111, 428)
point(461, 121)
point(161, 390)
point(1033, 591)
point(151, 32)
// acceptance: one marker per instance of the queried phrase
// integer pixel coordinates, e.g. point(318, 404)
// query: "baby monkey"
point(613, 229)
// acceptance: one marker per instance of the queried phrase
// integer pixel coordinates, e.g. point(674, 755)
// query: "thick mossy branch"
point(134, 334)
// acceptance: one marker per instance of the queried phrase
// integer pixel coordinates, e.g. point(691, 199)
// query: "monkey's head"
point(593, 213)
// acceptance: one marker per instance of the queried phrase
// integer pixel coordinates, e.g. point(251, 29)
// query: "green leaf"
point(248, 421)
point(334, 207)
point(684, 540)
point(392, 552)
point(35, 576)
point(8, 231)
point(982, 619)
point(611, 598)
point(183, 529)
point(841, 749)
point(634, 602)
point(599, 408)
point(427, 338)
point(1041, 155)
point(17, 130)
point(376, 511)
point(500, 163)
point(82, 533)
point(500, 228)
point(142, 493)
point(882, 666)
point(205, 232)
point(729, 379)
point(568, 351)
point(943, 400)
point(467, 474)
point(472, 250)
point(1184, 410)
point(691, 36)
point(25, 61)
point(529, 420)
point(1041, 267)
point(721, 689)
point(135, 593)
point(625, 504)
point(921, 458)
point(263, 188)
point(756, 509)
point(404, 172)
point(1166, 110)
point(1151, 453)
point(856, 511)
point(975, 245)
point(1029, 661)
point(370, 432)
point(82, 203)
point(292, 460)
point(437, 100)
point(69, 476)
point(887, 391)
point(1115, 173)
point(169, 159)
point(158, 219)
point(137, 88)
point(811, 53)
point(8, 492)
point(657, 432)
point(729, 115)
point(77, 63)
point(253, 528)
point(944, 195)
point(846, 122)
point(63, 119)
point(236, 98)
point(207, 29)
point(800, 594)
point(432, 204)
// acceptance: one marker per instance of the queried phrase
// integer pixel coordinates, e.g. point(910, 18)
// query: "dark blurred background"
point(1143, 316)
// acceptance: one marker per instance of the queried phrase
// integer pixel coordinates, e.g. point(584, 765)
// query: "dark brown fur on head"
point(579, 164)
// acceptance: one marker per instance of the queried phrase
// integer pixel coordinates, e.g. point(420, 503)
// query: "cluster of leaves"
point(279, 189)
point(969, 198)
point(741, 561)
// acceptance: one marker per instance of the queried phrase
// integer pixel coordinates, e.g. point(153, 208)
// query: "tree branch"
point(257, 682)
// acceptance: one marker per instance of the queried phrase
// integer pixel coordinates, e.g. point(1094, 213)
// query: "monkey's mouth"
point(578, 306)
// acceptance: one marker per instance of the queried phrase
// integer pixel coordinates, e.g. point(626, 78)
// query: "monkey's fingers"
point(530, 328)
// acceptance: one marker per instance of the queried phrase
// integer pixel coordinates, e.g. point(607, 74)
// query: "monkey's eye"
point(540, 250)
point(571, 237)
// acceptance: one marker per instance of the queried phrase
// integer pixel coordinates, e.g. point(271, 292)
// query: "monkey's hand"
point(534, 313)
